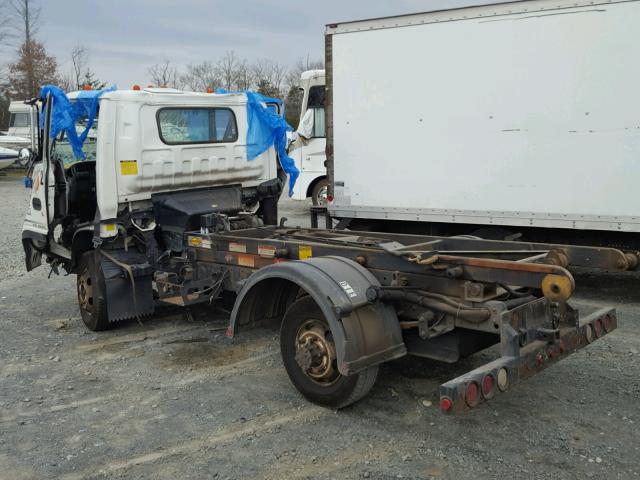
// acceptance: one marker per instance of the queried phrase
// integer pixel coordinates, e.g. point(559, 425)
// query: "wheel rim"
point(85, 292)
point(316, 353)
point(321, 197)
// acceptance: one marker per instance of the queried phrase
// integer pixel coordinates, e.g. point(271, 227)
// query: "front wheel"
point(309, 356)
point(91, 294)
point(319, 194)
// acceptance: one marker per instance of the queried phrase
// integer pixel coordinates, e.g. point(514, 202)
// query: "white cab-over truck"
point(162, 205)
point(515, 120)
point(308, 150)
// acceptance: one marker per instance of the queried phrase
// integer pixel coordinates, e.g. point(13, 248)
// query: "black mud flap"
point(32, 257)
point(119, 287)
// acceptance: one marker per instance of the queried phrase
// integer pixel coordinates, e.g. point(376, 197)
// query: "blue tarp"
point(65, 114)
point(267, 128)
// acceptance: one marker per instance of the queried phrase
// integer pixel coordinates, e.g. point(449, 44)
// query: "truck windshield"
point(63, 152)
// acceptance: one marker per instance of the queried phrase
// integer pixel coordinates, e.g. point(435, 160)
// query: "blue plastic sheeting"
point(267, 128)
point(65, 114)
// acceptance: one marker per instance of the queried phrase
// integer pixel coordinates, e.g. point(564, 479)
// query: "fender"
point(365, 333)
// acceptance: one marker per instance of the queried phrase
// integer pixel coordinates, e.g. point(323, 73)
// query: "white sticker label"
point(348, 289)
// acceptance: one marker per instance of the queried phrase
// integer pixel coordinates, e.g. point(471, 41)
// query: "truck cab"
point(151, 163)
point(308, 150)
point(22, 120)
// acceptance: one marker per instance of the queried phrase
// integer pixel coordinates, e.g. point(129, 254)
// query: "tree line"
point(32, 66)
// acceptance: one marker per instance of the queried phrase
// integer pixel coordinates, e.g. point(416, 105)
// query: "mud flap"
point(119, 290)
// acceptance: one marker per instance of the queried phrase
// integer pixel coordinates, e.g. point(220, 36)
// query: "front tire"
point(319, 194)
point(308, 354)
point(91, 294)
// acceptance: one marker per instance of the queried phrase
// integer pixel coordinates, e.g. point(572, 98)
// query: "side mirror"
point(24, 156)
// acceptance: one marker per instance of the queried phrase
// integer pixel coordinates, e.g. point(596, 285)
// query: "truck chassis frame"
point(388, 295)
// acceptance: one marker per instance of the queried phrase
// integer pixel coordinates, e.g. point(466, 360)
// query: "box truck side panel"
point(528, 118)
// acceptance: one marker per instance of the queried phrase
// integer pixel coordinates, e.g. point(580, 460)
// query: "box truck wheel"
point(319, 193)
point(91, 294)
point(309, 356)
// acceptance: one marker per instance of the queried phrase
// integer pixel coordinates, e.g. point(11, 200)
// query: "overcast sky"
point(125, 37)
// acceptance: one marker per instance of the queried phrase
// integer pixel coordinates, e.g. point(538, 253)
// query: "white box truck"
point(512, 120)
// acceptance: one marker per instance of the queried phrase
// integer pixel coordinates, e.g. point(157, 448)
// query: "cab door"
point(36, 230)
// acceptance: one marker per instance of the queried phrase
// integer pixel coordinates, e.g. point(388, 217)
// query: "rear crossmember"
point(522, 359)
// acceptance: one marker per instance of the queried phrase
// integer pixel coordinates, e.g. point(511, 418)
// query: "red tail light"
point(488, 386)
point(446, 404)
point(607, 323)
point(330, 198)
point(472, 394)
point(597, 328)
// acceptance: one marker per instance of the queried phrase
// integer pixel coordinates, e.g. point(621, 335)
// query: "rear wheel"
point(309, 356)
point(91, 294)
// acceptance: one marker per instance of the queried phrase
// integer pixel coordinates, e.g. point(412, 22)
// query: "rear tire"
point(308, 354)
point(91, 294)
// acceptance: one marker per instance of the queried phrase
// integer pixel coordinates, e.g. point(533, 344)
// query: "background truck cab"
point(308, 150)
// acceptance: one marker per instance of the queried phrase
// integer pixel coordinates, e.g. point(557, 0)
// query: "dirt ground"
point(175, 399)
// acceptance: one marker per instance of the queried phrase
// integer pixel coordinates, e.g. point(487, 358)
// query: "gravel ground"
point(176, 399)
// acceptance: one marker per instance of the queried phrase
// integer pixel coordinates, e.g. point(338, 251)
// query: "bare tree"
point(164, 74)
point(244, 76)
point(227, 68)
point(269, 72)
point(5, 22)
point(301, 65)
point(79, 60)
point(27, 15)
point(200, 76)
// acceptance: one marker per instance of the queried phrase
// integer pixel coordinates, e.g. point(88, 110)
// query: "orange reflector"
point(209, 90)
point(136, 87)
point(87, 87)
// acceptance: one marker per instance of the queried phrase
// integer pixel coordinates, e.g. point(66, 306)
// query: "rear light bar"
point(484, 383)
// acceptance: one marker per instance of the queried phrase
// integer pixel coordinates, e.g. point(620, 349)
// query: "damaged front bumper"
point(533, 337)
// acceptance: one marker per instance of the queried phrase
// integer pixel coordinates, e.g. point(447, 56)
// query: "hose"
point(440, 303)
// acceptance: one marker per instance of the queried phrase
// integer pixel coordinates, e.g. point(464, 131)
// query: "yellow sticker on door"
point(128, 167)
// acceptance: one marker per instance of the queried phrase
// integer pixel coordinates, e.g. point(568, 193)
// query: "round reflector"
point(597, 328)
point(588, 333)
point(446, 403)
point(503, 379)
point(488, 386)
point(472, 394)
